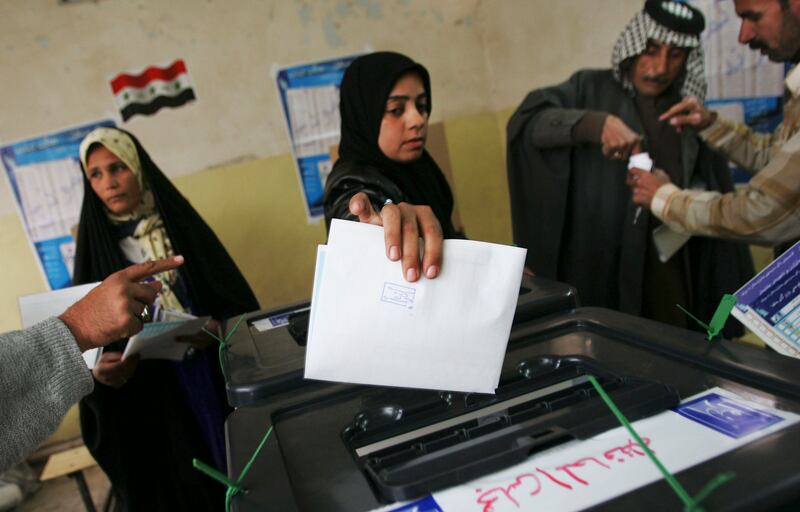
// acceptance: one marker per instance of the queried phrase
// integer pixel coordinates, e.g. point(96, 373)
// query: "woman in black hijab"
point(385, 101)
point(145, 421)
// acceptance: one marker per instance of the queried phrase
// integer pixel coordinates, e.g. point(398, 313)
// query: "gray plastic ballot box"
point(339, 447)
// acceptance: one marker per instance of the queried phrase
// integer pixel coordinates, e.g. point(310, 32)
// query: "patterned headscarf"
point(685, 25)
point(122, 146)
point(213, 283)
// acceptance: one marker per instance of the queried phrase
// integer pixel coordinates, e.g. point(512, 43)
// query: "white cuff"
point(661, 199)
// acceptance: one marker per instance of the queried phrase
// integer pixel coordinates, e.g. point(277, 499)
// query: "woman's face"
point(404, 126)
point(112, 181)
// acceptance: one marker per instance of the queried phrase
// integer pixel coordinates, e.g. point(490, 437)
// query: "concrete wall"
point(229, 153)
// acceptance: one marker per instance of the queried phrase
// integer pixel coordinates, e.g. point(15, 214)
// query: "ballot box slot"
point(464, 420)
point(409, 462)
point(375, 425)
point(298, 326)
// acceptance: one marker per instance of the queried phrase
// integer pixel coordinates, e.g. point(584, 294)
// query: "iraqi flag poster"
point(146, 92)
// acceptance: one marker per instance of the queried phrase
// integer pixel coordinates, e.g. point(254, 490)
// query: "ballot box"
point(349, 447)
point(266, 350)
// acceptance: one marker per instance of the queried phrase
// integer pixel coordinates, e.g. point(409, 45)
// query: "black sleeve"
point(553, 127)
point(346, 181)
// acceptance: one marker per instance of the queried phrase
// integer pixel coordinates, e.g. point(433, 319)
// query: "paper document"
point(370, 326)
point(668, 242)
point(41, 306)
point(157, 339)
point(769, 304)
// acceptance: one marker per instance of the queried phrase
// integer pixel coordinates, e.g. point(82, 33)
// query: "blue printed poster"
point(309, 95)
point(769, 304)
point(44, 174)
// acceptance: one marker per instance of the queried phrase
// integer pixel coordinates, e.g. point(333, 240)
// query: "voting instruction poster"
point(44, 174)
point(769, 304)
point(309, 95)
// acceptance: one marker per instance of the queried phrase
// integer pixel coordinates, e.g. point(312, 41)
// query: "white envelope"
point(370, 326)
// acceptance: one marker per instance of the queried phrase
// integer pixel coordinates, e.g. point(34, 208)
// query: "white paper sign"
point(583, 474)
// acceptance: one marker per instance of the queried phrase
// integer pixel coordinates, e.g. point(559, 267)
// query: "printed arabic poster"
point(44, 175)
point(309, 95)
point(743, 85)
point(769, 304)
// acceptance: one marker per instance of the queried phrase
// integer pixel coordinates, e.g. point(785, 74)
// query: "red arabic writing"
point(531, 483)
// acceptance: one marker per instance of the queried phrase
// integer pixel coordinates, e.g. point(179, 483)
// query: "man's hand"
point(403, 224)
point(112, 371)
point(644, 184)
point(112, 310)
point(689, 112)
point(618, 140)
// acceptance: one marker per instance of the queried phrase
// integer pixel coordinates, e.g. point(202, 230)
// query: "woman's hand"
point(112, 371)
point(403, 224)
point(201, 339)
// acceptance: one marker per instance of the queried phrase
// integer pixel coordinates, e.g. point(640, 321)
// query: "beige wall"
point(229, 151)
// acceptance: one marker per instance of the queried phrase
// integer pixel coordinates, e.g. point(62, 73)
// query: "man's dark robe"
point(572, 210)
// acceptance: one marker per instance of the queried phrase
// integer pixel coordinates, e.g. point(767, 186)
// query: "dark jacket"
point(349, 178)
point(572, 210)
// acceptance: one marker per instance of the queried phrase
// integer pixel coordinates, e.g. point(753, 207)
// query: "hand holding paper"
point(159, 340)
point(403, 225)
point(371, 326)
point(112, 310)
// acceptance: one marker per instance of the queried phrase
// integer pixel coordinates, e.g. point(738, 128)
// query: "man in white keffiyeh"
point(767, 209)
point(674, 26)
point(568, 146)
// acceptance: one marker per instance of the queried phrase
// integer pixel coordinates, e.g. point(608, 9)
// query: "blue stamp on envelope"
point(398, 294)
point(727, 416)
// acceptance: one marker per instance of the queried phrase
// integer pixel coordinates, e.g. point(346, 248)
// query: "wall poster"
point(44, 174)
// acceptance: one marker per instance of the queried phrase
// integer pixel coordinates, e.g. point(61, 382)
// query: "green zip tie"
point(690, 504)
point(720, 316)
point(234, 487)
point(213, 473)
point(712, 485)
point(223, 343)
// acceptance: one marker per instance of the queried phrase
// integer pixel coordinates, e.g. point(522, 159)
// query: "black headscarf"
point(365, 89)
point(215, 285)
